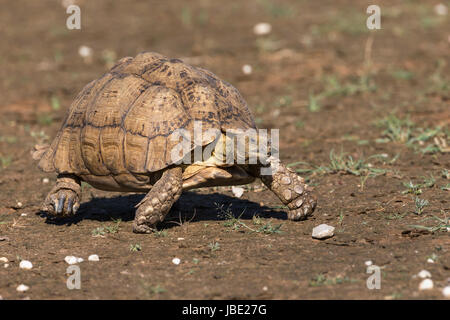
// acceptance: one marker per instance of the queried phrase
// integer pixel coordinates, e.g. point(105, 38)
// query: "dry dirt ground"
point(363, 115)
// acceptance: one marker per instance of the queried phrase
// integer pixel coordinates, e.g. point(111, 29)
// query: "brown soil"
point(408, 61)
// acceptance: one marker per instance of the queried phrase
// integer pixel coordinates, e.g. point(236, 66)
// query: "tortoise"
point(120, 131)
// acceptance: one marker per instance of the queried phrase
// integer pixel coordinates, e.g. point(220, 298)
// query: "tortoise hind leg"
point(64, 198)
point(289, 187)
point(157, 203)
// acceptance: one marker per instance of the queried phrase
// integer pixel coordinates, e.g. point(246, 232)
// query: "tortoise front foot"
point(64, 199)
point(302, 207)
point(291, 189)
point(157, 203)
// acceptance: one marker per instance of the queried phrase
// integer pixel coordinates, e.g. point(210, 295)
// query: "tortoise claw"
point(62, 203)
point(70, 206)
point(60, 207)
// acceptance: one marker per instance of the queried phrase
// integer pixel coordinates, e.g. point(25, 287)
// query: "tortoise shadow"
point(191, 207)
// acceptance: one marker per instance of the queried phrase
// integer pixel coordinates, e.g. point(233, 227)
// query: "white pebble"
point(19, 204)
point(23, 215)
point(176, 261)
point(247, 69)
point(368, 263)
point(93, 257)
point(4, 259)
point(180, 239)
point(446, 292)
point(73, 260)
point(85, 51)
point(424, 274)
point(6, 265)
point(45, 180)
point(262, 28)
point(426, 284)
point(441, 9)
point(430, 260)
point(265, 288)
point(25, 264)
point(323, 231)
point(237, 191)
point(22, 288)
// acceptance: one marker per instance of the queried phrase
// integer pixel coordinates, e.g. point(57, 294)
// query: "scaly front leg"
point(157, 203)
point(289, 187)
point(64, 199)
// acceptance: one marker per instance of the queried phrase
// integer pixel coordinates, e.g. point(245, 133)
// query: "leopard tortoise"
point(120, 132)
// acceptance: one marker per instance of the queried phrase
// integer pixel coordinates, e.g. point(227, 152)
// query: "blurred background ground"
point(377, 100)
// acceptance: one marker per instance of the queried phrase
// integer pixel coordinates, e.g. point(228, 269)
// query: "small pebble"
point(262, 28)
point(6, 265)
point(426, 284)
point(368, 263)
point(424, 274)
point(441, 9)
point(19, 204)
point(430, 260)
point(237, 191)
point(180, 239)
point(446, 292)
point(323, 231)
point(25, 264)
point(73, 260)
point(85, 51)
point(247, 69)
point(4, 259)
point(93, 257)
point(176, 261)
point(23, 215)
point(22, 288)
point(45, 180)
point(265, 288)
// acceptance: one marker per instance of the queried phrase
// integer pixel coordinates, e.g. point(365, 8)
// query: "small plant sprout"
point(442, 224)
point(102, 231)
point(135, 247)
point(345, 164)
point(313, 103)
point(214, 246)
point(445, 174)
point(5, 161)
point(412, 188)
point(420, 205)
point(428, 182)
point(268, 228)
point(160, 233)
point(157, 289)
point(416, 189)
point(424, 140)
point(341, 217)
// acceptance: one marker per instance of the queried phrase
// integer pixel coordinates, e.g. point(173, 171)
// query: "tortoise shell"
point(124, 122)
